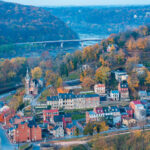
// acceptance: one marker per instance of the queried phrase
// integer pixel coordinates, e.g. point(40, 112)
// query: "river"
point(4, 142)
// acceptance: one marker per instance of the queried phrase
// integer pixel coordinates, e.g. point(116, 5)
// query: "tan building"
point(71, 101)
point(130, 122)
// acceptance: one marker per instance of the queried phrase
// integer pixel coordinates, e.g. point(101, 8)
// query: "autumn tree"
point(88, 53)
point(59, 82)
point(36, 72)
point(87, 82)
point(131, 44)
point(88, 130)
point(131, 63)
point(141, 43)
point(102, 74)
point(50, 78)
point(147, 79)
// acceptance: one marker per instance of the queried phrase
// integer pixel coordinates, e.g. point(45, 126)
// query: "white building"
point(140, 112)
point(99, 89)
point(121, 75)
point(114, 95)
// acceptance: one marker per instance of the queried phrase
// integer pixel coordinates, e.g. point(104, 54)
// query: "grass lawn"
point(25, 146)
point(78, 116)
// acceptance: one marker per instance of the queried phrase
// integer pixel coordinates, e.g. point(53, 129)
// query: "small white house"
point(114, 95)
point(58, 131)
point(121, 75)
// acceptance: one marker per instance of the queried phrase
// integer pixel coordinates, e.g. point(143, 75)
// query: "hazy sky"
point(80, 2)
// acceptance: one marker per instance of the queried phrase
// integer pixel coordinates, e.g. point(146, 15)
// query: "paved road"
point(77, 142)
point(34, 102)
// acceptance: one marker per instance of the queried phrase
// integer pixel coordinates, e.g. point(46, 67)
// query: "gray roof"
point(70, 96)
point(58, 118)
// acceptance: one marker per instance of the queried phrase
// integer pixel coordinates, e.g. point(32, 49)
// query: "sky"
point(80, 2)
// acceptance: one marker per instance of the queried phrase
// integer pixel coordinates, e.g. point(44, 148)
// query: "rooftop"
point(115, 92)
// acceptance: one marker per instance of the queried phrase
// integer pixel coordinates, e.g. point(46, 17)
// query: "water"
point(5, 143)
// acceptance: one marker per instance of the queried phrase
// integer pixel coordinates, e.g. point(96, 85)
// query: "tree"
point(141, 43)
point(87, 82)
point(77, 131)
point(50, 78)
point(36, 72)
point(131, 44)
point(59, 82)
point(102, 74)
point(63, 69)
point(88, 129)
point(131, 63)
point(147, 79)
point(133, 81)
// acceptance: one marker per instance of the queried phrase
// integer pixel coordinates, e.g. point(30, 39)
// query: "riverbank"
point(5, 144)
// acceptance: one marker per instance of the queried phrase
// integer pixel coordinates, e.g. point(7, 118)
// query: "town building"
point(99, 89)
point(25, 132)
point(121, 75)
point(71, 101)
point(146, 105)
point(123, 90)
point(108, 113)
point(139, 110)
point(32, 87)
point(58, 131)
point(140, 69)
point(58, 121)
point(48, 115)
point(144, 95)
point(112, 47)
point(129, 122)
point(114, 95)
point(70, 129)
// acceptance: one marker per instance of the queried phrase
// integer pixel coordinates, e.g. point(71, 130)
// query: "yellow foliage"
point(36, 72)
point(102, 74)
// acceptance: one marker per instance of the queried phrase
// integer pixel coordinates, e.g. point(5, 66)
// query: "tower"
point(27, 83)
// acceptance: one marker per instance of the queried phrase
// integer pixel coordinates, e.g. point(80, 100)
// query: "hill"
point(103, 20)
point(19, 23)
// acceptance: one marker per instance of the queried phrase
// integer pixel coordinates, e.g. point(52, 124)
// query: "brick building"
point(123, 90)
point(25, 132)
point(48, 115)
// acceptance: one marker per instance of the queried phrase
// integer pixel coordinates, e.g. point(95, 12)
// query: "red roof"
point(100, 85)
point(99, 110)
point(50, 111)
point(137, 102)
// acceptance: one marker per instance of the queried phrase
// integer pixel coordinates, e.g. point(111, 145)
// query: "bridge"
point(62, 41)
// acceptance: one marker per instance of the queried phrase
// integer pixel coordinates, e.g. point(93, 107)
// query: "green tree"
point(88, 129)
point(77, 131)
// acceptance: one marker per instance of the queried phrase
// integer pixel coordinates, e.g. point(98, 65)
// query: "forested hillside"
point(19, 23)
point(103, 20)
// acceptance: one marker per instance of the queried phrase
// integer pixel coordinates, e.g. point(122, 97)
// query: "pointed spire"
point(27, 75)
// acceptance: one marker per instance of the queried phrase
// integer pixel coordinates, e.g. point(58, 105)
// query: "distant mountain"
point(19, 23)
point(103, 20)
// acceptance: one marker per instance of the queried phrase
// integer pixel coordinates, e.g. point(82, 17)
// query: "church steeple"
point(27, 75)
point(27, 82)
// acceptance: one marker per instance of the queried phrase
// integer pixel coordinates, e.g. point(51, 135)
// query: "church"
point(32, 87)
